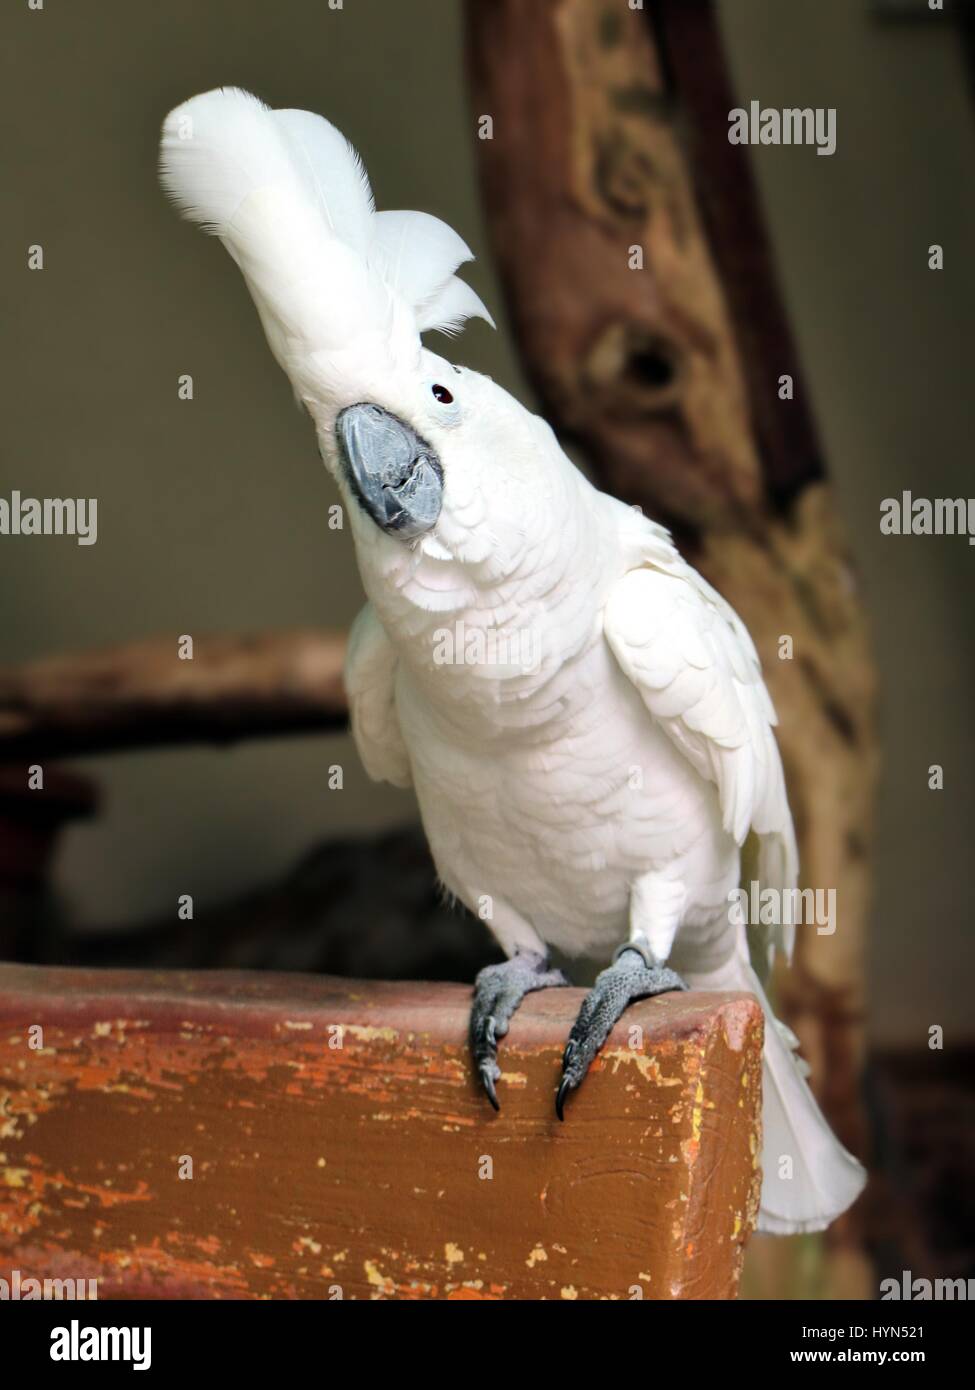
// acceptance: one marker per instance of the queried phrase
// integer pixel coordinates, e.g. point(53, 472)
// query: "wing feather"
point(370, 672)
point(695, 666)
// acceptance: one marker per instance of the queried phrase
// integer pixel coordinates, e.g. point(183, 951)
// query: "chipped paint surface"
point(648, 1066)
point(364, 1034)
point(356, 1167)
point(736, 1021)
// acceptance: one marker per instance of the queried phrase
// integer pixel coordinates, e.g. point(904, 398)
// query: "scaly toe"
point(498, 990)
point(628, 978)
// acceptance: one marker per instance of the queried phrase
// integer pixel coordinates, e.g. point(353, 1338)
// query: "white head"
point(433, 460)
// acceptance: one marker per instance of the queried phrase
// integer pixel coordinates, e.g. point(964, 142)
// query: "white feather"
point(523, 769)
point(822, 1179)
point(337, 181)
point(417, 253)
point(449, 310)
point(289, 198)
point(216, 150)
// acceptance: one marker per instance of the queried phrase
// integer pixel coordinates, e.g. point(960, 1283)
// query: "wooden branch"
point(144, 695)
point(340, 1148)
point(668, 377)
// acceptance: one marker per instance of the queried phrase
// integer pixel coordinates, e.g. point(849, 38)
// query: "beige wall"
point(887, 345)
point(212, 513)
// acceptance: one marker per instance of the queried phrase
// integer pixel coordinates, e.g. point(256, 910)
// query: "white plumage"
point(597, 781)
point(289, 198)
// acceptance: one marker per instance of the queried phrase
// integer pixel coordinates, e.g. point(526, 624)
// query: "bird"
point(581, 715)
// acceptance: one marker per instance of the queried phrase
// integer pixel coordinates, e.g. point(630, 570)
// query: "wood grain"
point(359, 1171)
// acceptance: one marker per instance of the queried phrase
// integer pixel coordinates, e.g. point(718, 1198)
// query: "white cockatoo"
point(581, 715)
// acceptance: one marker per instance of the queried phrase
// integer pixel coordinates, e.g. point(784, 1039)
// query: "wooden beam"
point(340, 1148)
point(144, 695)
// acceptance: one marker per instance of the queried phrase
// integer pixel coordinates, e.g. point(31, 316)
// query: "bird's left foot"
point(633, 975)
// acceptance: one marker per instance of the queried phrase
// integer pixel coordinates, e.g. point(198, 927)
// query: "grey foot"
point(631, 976)
point(498, 990)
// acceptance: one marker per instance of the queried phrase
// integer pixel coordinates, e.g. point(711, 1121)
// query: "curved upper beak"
point(394, 474)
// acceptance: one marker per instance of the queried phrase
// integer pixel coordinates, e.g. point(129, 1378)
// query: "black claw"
point(498, 990)
point(487, 1081)
point(628, 978)
point(563, 1091)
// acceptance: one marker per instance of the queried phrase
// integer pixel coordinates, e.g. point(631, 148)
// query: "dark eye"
point(442, 394)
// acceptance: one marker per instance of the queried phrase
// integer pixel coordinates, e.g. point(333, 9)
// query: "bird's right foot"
point(498, 990)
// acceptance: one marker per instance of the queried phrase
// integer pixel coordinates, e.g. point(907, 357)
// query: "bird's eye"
point(442, 394)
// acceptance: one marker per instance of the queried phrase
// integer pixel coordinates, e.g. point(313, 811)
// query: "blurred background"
point(212, 513)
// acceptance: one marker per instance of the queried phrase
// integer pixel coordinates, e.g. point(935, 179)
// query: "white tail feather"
point(777, 866)
point(808, 1178)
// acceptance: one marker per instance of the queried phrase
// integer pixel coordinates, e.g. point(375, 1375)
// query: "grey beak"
point(393, 473)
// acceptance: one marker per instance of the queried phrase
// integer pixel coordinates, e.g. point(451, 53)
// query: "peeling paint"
point(647, 1066)
point(365, 1033)
point(253, 1098)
